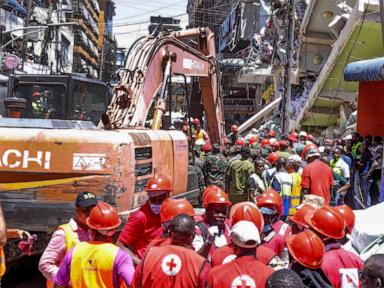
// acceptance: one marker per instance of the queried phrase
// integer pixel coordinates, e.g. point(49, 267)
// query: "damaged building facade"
point(286, 57)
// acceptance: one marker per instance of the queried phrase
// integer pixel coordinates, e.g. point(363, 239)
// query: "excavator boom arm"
point(143, 78)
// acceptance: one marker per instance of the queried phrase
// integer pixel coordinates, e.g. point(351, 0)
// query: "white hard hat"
point(295, 158)
point(303, 134)
point(245, 234)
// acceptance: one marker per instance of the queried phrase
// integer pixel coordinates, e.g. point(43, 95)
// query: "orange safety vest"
point(92, 265)
point(170, 266)
point(2, 263)
point(71, 240)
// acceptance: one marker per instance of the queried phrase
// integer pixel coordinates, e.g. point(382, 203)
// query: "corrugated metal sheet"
point(370, 111)
point(366, 70)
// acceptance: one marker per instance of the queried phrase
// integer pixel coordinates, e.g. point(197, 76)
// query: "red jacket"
point(245, 271)
point(141, 228)
point(341, 266)
point(171, 266)
point(225, 254)
point(276, 241)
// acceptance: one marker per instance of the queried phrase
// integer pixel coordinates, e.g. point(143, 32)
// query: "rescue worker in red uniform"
point(175, 265)
point(246, 270)
point(144, 225)
point(212, 231)
point(247, 211)
point(306, 251)
point(275, 231)
point(169, 210)
point(339, 265)
point(97, 263)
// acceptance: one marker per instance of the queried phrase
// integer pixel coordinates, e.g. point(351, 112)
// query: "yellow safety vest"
point(2, 263)
point(71, 240)
point(92, 265)
point(199, 134)
point(296, 192)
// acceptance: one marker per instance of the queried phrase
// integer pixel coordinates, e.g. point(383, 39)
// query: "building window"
point(65, 50)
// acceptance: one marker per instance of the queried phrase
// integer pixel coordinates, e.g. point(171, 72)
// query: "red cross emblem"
point(243, 281)
point(171, 264)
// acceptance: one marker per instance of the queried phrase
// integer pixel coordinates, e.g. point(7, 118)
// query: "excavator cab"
point(64, 97)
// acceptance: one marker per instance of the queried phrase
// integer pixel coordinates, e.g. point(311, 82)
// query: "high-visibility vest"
point(199, 134)
point(296, 193)
point(71, 240)
point(92, 265)
point(2, 263)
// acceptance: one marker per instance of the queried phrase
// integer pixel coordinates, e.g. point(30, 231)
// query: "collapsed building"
point(286, 57)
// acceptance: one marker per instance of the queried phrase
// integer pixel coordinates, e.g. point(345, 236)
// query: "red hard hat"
point(36, 94)
point(271, 133)
point(247, 211)
point(196, 121)
point(307, 148)
point(227, 141)
point(253, 139)
point(349, 216)
point(273, 157)
point(292, 139)
point(103, 217)
point(265, 142)
point(299, 216)
point(306, 248)
point(158, 183)
point(215, 195)
point(294, 134)
point(328, 222)
point(170, 208)
point(207, 147)
point(283, 143)
point(240, 142)
point(234, 128)
point(309, 137)
point(270, 198)
point(275, 144)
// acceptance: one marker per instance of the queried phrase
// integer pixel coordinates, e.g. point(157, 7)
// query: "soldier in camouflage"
point(215, 167)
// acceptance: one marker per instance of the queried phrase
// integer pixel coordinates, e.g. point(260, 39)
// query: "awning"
point(366, 70)
point(13, 4)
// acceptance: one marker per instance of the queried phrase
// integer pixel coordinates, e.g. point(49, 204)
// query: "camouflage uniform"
point(198, 168)
point(215, 167)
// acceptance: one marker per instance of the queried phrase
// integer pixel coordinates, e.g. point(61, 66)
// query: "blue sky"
point(132, 17)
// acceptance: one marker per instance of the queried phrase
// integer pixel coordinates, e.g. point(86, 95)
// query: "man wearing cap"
point(215, 167)
point(237, 176)
point(175, 265)
point(246, 270)
point(67, 236)
point(97, 263)
point(317, 177)
point(144, 225)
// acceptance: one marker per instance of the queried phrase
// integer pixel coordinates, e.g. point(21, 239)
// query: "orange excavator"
point(44, 163)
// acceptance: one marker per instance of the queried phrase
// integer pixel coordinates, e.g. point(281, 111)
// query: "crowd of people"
point(275, 215)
